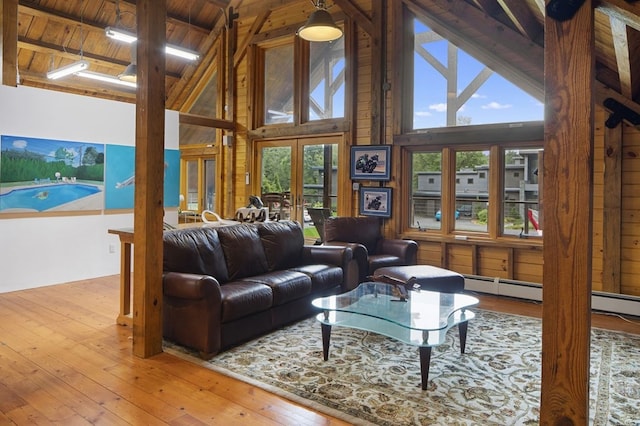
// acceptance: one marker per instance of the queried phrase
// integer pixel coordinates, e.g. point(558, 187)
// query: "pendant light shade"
point(320, 26)
point(130, 73)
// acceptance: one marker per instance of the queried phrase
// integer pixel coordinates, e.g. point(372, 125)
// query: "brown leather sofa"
point(370, 249)
point(226, 285)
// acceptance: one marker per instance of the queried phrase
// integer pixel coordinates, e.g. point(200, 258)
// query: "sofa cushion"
point(285, 285)
point(322, 276)
point(242, 250)
point(283, 243)
point(383, 260)
point(195, 251)
point(243, 298)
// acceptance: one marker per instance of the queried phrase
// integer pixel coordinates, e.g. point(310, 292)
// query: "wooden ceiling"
point(508, 35)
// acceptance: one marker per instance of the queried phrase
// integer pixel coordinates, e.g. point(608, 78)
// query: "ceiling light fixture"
point(106, 78)
point(130, 73)
point(68, 70)
point(320, 26)
point(127, 37)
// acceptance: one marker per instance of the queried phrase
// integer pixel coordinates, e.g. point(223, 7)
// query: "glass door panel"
point(209, 184)
point(275, 179)
point(298, 179)
point(192, 185)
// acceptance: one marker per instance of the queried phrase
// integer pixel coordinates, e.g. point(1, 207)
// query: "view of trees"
point(25, 166)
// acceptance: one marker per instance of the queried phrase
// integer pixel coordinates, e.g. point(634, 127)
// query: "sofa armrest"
point(190, 286)
point(339, 255)
point(192, 311)
point(360, 256)
point(404, 249)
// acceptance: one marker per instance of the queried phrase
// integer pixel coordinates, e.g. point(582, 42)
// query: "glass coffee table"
point(416, 317)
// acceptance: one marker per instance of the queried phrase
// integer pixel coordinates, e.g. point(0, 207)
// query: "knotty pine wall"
point(515, 260)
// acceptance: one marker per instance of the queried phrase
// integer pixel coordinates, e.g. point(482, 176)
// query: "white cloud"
point(477, 96)
point(438, 107)
point(20, 144)
point(496, 105)
point(423, 114)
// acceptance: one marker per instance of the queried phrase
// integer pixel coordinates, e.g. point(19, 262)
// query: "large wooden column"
point(148, 211)
point(9, 42)
point(567, 193)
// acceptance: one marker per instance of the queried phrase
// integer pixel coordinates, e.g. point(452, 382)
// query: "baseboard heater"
point(600, 301)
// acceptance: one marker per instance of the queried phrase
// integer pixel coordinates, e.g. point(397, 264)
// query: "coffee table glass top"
point(422, 319)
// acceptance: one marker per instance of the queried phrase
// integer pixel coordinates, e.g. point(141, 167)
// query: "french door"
point(297, 174)
point(199, 184)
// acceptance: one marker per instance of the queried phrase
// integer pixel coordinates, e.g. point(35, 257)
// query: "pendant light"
point(320, 26)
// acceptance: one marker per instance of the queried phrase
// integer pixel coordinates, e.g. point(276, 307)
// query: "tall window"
point(278, 84)
point(326, 80)
point(451, 88)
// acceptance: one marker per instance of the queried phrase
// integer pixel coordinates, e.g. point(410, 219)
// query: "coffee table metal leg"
point(425, 360)
point(326, 336)
point(462, 330)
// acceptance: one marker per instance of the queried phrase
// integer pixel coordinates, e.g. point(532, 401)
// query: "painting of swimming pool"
point(38, 175)
point(120, 177)
point(46, 197)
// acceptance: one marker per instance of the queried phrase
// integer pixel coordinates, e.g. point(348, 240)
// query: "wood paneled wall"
point(518, 260)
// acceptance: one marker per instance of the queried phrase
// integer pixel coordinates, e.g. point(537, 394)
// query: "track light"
point(127, 37)
point(68, 70)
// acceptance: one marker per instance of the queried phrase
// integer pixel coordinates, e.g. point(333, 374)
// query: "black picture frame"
point(375, 201)
point(371, 162)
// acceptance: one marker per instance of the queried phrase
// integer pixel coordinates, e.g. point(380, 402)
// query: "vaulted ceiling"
point(507, 34)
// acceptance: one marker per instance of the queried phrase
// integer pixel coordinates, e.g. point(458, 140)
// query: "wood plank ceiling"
point(53, 33)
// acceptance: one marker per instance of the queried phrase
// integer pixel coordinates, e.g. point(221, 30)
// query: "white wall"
point(36, 252)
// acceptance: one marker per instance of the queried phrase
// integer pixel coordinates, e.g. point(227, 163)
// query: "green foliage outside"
point(482, 215)
point(25, 166)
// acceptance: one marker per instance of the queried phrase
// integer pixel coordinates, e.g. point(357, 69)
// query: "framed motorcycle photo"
point(371, 162)
point(375, 201)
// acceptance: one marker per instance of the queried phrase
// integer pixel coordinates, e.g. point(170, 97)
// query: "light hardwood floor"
point(63, 360)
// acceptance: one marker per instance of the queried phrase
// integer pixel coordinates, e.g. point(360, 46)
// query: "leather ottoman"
point(429, 278)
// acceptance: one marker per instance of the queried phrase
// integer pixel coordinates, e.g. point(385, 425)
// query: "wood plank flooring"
point(63, 360)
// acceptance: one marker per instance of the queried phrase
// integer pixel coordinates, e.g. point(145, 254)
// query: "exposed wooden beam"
point(522, 17)
point(199, 120)
point(490, 7)
point(74, 54)
point(603, 92)
point(354, 12)
point(625, 11)
point(9, 42)
point(30, 8)
point(149, 162)
point(621, 45)
point(567, 194)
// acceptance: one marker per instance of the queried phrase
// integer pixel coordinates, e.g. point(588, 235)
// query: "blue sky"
point(497, 100)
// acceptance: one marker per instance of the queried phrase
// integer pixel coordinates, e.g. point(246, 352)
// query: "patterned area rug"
point(372, 379)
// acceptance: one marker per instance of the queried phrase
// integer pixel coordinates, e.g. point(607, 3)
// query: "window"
point(326, 80)
point(472, 197)
point(465, 206)
point(278, 84)
point(452, 88)
point(520, 208)
point(426, 191)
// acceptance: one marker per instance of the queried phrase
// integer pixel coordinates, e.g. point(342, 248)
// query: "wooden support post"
point(569, 70)
point(611, 223)
point(148, 211)
point(9, 42)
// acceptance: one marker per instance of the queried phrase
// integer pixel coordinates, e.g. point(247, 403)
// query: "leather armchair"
point(370, 249)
